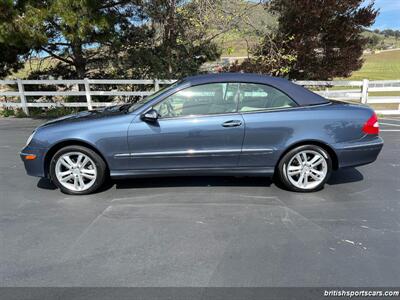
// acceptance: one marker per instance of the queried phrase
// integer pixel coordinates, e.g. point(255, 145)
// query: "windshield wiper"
point(125, 107)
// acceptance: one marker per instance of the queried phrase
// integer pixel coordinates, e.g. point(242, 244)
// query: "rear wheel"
point(77, 170)
point(305, 168)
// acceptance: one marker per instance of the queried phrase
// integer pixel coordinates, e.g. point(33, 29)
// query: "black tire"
point(283, 163)
point(100, 165)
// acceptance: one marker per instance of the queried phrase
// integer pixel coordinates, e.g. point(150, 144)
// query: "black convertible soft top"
point(301, 95)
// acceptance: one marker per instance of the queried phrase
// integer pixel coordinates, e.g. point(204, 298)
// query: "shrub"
point(19, 113)
point(56, 112)
point(6, 112)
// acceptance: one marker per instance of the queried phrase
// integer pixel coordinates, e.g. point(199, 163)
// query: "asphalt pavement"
point(201, 231)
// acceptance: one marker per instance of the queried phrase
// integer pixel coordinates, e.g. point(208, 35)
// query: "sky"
point(389, 17)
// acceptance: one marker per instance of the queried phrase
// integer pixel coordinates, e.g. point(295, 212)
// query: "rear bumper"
point(33, 167)
point(359, 153)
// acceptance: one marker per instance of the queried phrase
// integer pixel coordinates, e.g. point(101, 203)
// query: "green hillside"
point(380, 66)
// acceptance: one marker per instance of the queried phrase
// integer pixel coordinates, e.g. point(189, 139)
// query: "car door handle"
point(232, 123)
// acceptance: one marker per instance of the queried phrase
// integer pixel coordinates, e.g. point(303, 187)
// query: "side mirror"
point(150, 116)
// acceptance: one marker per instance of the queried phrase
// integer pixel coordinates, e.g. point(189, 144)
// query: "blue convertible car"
point(220, 124)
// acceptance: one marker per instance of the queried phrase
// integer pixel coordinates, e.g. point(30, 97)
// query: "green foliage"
point(327, 38)
point(389, 32)
point(300, 39)
point(12, 47)
point(230, 50)
point(173, 44)
point(378, 41)
point(53, 112)
point(78, 33)
point(36, 112)
point(111, 38)
point(6, 112)
point(19, 113)
point(373, 41)
point(272, 59)
point(250, 22)
point(56, 112)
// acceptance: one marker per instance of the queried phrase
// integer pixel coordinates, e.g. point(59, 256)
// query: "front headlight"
point(30, 138)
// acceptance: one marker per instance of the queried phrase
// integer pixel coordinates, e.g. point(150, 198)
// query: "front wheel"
point(77, 170)
point(305, 168)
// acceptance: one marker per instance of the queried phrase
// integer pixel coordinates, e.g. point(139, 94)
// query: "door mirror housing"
point(150, 115)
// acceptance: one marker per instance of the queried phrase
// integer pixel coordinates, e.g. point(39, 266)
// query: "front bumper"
point(34, 167)
point(359, 153)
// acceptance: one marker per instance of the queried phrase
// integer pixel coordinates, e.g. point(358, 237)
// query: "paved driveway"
point(214, 231)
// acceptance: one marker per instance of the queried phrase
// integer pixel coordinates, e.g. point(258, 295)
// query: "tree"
point(116, 38)
point(12, 48)
point(174, 43)
point(179, 36)
point(125, 38)
point(271, 57)
point(242, 24)
point(388, 32)
point(373, 41)
point(72, 31)
point(325, 35)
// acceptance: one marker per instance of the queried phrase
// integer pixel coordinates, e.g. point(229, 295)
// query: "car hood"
point(89, 115)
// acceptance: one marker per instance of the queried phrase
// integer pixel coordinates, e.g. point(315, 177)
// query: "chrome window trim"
point(246, 112)
point(199, 116)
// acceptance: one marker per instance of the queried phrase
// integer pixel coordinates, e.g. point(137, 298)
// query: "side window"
point(255, 97)
point(207, 99)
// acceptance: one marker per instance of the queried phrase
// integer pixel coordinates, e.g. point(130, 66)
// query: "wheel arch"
point(326, 147)
point(50, 153)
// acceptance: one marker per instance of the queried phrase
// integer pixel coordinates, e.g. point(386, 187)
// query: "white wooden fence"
point(354, 91)
point(87, 93)
point(360, 91)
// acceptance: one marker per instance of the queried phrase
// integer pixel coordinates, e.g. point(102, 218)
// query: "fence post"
point(87, 92)
point(364, 91)
point(156, 85)
point(22, 97)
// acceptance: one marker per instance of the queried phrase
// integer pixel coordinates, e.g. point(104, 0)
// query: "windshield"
point(143, 101)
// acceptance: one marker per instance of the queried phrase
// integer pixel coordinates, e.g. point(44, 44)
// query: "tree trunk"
point(170, 35)
point(80, 66)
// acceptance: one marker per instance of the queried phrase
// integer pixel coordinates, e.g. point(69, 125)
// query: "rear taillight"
point(372, 125)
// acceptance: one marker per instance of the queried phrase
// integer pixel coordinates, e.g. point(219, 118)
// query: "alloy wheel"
point(307, 169)
point(76, 171)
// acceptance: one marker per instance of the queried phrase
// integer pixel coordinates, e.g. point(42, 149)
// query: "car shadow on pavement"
point(345, 175)
point(191, 181)
point(46, 184)
point(338, 177)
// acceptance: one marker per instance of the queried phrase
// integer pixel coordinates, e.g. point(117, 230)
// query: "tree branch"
point(112, 4)
point(60, 44)
point(67, 61)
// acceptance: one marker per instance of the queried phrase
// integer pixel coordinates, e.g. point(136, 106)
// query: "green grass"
point(379, 66)
point(383, 93)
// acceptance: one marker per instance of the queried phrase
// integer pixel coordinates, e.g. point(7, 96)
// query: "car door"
point(268, 115)
point(197, 127)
